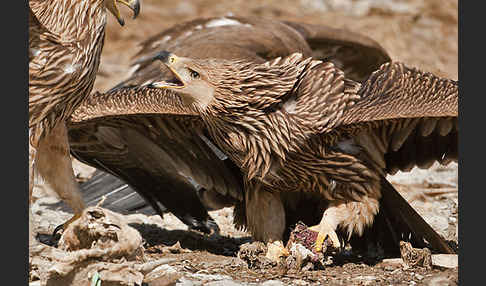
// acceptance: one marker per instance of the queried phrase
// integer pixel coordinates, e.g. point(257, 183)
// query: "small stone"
point(393, 261)
point(272, 283)
point(165, 269)
point(209, 277)
point(418, 276)
point(186, 282)
point(225, 282)
point(366, 280)
point(389, 268)
point(164, 280)
point(439, 281)
point(445, 260)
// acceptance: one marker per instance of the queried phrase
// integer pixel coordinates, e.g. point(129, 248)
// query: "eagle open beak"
point(169, 59)
point(111, 5)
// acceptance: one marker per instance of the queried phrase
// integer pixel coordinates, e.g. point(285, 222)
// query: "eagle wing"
point(401, 117)
point(397, 119)
point(355, 54)
point(257, 40)
point(409, 118)
point(167, 159)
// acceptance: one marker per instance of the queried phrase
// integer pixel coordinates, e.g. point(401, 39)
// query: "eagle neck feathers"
point(70, 21)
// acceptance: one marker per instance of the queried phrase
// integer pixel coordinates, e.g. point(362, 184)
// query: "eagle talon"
point(326, 236)
point(57, 230)
point(65, 225)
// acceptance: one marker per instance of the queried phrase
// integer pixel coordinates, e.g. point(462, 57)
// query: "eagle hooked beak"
point(111, 5)
point(169, 60)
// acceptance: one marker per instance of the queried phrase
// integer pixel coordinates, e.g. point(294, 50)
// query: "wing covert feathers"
point(126, 101)
point(404, 118)
point(396, 91)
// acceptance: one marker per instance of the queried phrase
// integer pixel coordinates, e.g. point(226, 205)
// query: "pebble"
point(186, 282)
point(389, 268)
point(445, 260)
point(209, 277)
point(165, 269)
point(225, 282)
point(366, 280)
point(438, 281)
point(272, 283)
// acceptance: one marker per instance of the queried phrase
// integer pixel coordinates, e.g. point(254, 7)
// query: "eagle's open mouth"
point(174, 82)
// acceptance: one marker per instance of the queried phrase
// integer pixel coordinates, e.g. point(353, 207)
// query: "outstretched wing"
point(166, 159)
point(398, 118)
point(402, 117)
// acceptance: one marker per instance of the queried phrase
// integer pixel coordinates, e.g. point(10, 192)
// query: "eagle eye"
point(194, 74)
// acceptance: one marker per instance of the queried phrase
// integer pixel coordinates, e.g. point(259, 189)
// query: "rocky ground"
point(420, 33)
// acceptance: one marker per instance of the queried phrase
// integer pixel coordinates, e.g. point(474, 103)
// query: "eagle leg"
point(352, 216)
point(265, 216)
point(53, 162)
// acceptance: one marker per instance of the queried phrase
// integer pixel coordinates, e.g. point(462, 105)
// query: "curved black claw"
point(57, 229)
point(65, 225)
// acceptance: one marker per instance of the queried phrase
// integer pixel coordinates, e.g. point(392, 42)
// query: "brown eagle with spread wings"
point(296, 130)
point(146, 153)
point(65, 42)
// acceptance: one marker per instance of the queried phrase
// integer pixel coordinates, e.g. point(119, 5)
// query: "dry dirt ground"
point(420, 33)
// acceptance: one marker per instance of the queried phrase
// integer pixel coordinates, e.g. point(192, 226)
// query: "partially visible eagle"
point(65, 42)
point(305, 140)
point(170, 160)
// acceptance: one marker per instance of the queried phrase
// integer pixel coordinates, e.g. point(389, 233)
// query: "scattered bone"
point(276, 250)
point(300, 258)
point(415, 256)
point(100, 242)
point(253, 253)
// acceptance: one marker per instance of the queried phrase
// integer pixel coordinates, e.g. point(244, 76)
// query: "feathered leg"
point(350, 215)
point(265, 216)
point(54, 165)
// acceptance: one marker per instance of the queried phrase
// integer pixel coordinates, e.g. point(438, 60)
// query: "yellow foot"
point(275, 250)
point(66, 224)
point(324, 231)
